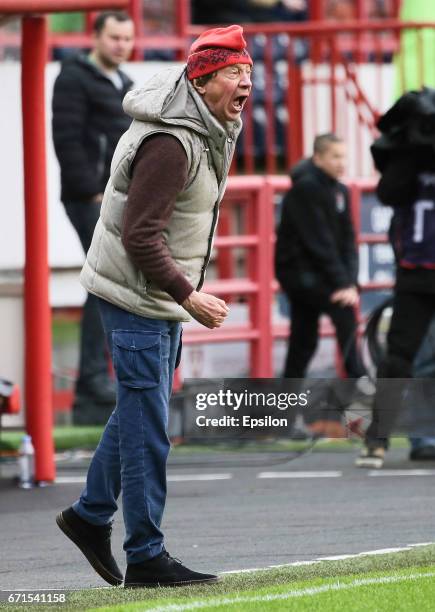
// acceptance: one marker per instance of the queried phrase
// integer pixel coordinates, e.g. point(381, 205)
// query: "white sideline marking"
point(70, 480)
point(401, 473)
point(170, 478)
point(381, 551)
point(325, 474)
point(264, 475)
point(187, 477)
point(310, 591)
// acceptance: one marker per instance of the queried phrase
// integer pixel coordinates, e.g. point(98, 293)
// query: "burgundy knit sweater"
point(159, 173)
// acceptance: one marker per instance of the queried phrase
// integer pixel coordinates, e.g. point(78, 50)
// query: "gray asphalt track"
point(239, 522)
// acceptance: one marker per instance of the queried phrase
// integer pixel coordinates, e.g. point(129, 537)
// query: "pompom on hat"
point(215, 49)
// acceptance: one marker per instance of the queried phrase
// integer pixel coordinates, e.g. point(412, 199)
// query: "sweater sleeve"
point(159, 173)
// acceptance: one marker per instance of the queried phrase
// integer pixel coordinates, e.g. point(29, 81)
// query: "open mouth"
point(239, 103)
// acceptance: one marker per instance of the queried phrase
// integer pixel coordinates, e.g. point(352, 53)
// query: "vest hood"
point(169, 98)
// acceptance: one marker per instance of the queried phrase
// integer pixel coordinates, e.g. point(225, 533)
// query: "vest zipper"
point(210, 240)
point(213, 224)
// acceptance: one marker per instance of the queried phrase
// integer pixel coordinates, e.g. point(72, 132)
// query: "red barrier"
point(249, 206)
point(259, 286)
point(39, 414)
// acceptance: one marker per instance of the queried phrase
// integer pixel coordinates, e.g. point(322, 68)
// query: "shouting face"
point(225, 94)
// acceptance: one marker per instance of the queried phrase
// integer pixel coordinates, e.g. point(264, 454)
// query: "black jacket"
point(403, 154)
point(315, 249)
point(400, 188)
point(88, 121)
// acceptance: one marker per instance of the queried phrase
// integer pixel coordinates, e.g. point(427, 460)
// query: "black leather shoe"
point(94, 542)
point(163, 571)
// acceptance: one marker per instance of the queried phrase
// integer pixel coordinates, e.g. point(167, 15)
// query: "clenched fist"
point(207, 309)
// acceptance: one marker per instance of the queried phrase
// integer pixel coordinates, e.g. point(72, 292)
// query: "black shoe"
point(161, 571)
point(424, 453)
point(94, 542)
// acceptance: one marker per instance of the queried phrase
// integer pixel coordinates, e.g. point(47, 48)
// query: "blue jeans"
point(134, 447)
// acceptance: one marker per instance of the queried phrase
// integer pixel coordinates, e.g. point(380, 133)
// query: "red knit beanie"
point(216, 48)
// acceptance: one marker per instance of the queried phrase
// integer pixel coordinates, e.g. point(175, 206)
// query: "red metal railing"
point(251, 199)
point(258, 287)
point(309, 77)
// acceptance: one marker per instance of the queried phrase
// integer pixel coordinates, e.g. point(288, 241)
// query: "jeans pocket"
point(179, 350)
point(136, 358)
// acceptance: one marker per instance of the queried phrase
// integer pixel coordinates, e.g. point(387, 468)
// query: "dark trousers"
point(412, 315)
point(305, 314)
point(93, 355)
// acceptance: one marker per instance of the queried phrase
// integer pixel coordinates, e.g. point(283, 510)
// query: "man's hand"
point(207, 309)
point(345, 297)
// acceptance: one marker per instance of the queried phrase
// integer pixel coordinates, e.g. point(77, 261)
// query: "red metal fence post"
point(135, 12)
point(295, 127)
point(225, 256)
point(316, 10)
point(333, 81)
point(182, 21)
point(261, 356)
point(39, 413)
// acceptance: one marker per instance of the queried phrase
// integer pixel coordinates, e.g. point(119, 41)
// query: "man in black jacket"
point(316, 259)
point(88, 121)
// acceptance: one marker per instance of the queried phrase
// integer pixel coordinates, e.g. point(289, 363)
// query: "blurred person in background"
point(405, 157)
point(316, 260)
point(88, 121)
